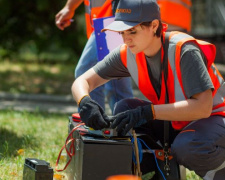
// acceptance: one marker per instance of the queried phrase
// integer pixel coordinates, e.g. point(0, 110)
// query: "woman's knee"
point(121, 106)
point(128, 103)
point(196, 153)
point(181, 148)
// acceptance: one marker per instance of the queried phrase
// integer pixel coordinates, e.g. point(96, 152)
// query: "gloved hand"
point(92, 114)
point(124, 121)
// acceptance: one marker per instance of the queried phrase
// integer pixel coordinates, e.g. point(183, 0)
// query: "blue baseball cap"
point(130, 13)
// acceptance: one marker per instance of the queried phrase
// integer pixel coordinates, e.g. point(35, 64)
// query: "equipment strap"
point(166, 123)
point(165, 67)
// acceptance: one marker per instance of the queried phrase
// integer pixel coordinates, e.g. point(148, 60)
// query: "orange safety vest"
point(137, 66)
point(176, 13)
point(96, 9)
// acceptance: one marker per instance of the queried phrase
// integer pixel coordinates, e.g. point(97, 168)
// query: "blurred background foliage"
point(37, 57)
point(28, 32)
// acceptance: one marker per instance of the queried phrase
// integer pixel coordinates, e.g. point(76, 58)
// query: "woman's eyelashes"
point(129, 32)
point(133, 32)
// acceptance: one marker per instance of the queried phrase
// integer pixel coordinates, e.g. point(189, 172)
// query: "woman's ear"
point(155, 25)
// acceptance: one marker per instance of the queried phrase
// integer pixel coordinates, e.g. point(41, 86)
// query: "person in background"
point(177, 14)
point(177, 75)
point(114, 90)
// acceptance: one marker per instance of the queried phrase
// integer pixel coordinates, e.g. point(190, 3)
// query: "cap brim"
point(119, 26)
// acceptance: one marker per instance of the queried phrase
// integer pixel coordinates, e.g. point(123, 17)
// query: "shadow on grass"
point(10, 142)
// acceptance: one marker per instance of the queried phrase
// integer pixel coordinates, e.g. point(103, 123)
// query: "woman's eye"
point(130, 32)
point(133, 32)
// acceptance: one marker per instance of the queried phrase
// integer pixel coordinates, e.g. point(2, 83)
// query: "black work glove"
point(92, 114)
point(124, 121)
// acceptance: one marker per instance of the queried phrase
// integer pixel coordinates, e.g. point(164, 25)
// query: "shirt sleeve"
point(195, 76)
point(111, 66)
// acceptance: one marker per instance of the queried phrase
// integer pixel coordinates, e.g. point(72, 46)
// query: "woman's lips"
point(131, 46)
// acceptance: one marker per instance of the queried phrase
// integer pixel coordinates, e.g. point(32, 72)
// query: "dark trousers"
point(200, 146)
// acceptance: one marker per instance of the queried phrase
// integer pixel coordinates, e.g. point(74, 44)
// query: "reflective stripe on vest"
point(176, 13)
point(209, 51)
point(137, 67)
point(96, 9)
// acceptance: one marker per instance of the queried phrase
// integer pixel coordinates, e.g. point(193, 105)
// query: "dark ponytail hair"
point(158, 31)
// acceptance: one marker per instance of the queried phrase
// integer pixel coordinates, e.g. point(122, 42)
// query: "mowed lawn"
point(29, 135)
point(36, 78)
point(33, 135)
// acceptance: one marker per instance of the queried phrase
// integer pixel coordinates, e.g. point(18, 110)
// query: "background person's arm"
point(64, 16)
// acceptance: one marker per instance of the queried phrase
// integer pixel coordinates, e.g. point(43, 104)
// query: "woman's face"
point(139, 39)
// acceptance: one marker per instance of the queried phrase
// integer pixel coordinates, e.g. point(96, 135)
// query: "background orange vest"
point(96, 9)
point(176, 13)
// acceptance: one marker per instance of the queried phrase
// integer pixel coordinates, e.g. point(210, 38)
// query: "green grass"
point(36, 78)
point(39, 135)
point(192, 176)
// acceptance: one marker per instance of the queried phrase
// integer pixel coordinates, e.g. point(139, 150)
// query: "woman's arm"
point(85, 83)
point(198, 107)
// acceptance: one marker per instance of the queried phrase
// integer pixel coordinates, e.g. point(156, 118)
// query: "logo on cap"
point(123, 11)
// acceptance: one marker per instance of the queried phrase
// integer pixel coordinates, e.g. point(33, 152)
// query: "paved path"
point(38, 102)
point(45, 103)
point(53, 104)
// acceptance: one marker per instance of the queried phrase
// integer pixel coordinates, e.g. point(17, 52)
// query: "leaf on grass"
point(148, 175)
point(20, 152)
point(13, 174)
point(58, 177)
